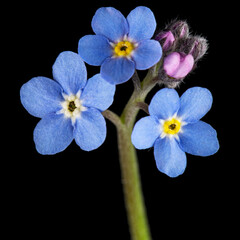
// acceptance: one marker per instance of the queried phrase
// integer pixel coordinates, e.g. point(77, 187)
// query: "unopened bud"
point(179, 28)
point(182, 51)
point(178, 65)
point(196, 46)
point(166, 40)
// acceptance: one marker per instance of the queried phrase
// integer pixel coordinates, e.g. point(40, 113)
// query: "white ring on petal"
point(76, 113)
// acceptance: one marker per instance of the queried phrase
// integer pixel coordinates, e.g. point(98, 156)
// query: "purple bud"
point(179, 28)
point(196, 46)
point(178, 65)
point(166, 39)
point(200, 47)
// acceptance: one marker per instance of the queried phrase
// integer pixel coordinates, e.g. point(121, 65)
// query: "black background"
point(77, 194)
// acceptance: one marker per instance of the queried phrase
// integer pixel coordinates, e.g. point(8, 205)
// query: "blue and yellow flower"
point(121, 44)
point(70, 106)
point(174, 127)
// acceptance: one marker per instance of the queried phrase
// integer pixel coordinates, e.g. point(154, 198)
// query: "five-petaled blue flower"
point(174, 127)
point(121, 44)
point(70, 106)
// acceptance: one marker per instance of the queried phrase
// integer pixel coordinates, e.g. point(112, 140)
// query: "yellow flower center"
point(123, 49)
point(171, 126)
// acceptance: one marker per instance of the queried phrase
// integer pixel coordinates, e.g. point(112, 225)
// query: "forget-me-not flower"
point(121, 44)
point(174, 127)
point(70, 106)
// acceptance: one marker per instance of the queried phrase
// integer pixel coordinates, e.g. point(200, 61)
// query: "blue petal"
point(147, 54)
point(142, 23)
point(41, 96)
point(164, 104)
point(170, 159)
point(117, 70)
point(94, 49)
point(195, 103)
point(110, 22)
point(53, 134)
point(199, 139)
point(145, 132)
point(90, 130)
point(98, 93)
point(70, 71)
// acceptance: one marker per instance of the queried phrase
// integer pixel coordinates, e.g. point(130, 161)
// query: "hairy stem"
point(131, 109)
point(143, 106)
point(113, 117)
point(134, 201)
point(133, 196)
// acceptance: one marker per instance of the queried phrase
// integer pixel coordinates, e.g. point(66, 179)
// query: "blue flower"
point(174, 127)
point(121, 44)
point(70, 106)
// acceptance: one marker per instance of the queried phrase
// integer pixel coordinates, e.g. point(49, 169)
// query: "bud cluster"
point(181, 51)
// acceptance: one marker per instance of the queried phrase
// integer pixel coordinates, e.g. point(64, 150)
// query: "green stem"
point(134, 201)
point(131, 109)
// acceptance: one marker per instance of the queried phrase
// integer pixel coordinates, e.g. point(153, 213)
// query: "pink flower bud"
point(178, 65)
point(166, 39)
